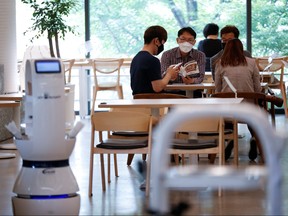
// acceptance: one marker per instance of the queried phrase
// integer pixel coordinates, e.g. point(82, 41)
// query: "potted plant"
point(48, 18)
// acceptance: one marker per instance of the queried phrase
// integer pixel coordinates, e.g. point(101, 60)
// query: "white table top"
point(159, 103)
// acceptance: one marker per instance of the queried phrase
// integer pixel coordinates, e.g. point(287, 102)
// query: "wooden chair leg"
point(272, 113)
point(91, 174)
point(102, 172)
point(176, 159)
point(120, 92)
point(94, 99)
point(144, 157)
point(284, 97)
point(109, 168)
point(148, 171)
point(116, 165)
point(129, 159)
point(212, 158)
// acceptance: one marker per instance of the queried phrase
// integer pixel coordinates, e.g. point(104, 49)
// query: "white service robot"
point(45, 184)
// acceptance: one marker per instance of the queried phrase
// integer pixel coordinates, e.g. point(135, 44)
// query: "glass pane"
point(117, 27)
point(270, 32)
point(269, 27)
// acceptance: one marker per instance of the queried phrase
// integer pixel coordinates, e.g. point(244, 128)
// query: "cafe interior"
point(86, 146)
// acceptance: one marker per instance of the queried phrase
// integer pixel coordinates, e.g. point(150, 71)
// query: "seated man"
point(183, 54)
point(145, 70)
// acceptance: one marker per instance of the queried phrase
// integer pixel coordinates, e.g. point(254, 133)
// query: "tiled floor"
point(123, 196)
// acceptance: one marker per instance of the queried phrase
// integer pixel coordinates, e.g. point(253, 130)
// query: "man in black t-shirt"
point(145, 70)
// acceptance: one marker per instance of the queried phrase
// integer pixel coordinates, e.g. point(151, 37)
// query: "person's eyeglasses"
point(186, 40)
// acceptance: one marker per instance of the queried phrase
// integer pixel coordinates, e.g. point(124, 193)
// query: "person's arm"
point(159, 85)
point(256, 78)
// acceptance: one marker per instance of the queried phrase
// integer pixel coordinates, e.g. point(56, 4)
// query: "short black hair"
point(155, 32)
point(210, 29)
point(187, 29)
point(230, 29)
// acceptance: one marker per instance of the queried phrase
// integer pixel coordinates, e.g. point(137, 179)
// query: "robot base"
point(67, 206)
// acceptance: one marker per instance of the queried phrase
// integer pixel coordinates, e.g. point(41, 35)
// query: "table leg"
point(155, 112)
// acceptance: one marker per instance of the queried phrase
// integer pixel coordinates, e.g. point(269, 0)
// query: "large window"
point(117, 26)
point(269, 27)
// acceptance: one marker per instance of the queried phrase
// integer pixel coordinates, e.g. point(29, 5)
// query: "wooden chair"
point(103, 81)
point(276, 66)
point(68, 64)
point(229, 135)
point(193, 145)
point(203, 135)
point(132, 134)
point(106, 122)
point(162, 112)
point(258, 99)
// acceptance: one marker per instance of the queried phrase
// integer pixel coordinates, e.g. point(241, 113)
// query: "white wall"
point(8, 50)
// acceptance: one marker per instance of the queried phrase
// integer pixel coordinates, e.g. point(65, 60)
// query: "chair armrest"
point(274, 100)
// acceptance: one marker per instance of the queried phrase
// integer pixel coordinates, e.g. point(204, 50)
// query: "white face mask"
point(185, 47)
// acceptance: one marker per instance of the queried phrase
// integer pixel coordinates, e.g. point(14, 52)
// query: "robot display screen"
point(47, 66)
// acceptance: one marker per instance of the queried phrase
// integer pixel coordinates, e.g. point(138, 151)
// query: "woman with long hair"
point(244, 75)
point(240, 70)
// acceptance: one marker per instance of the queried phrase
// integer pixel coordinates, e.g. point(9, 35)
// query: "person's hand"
point(173, 71)
point(188, 80)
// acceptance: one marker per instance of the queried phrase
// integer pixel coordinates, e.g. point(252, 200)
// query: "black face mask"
point(160, 49)
point(223, 45)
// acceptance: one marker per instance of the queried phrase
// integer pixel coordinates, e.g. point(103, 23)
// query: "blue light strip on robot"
point(61, 196)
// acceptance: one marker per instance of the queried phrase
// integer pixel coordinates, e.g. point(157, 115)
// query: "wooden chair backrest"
point(68, 64)
point(200, 125)
point(120, 121)
point(107, 66)
point(277, 65)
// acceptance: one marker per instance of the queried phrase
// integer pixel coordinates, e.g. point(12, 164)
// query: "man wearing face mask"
point(227, 33)
point(145, 70)
point(182, 54)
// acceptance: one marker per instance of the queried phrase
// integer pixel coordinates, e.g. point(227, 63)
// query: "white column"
point(8, 50)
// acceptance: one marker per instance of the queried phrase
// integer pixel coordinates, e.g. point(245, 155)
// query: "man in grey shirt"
point(227, 33)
